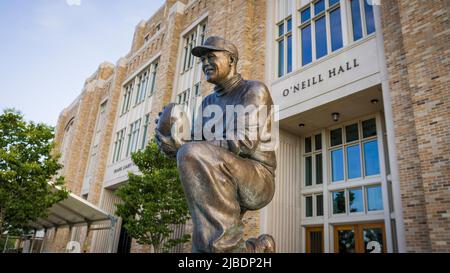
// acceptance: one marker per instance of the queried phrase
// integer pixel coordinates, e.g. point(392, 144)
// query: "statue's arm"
point(248, 139)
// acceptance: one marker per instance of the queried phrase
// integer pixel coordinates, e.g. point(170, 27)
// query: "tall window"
point(361, 18)
point(153, 71)
point(202, 33)
point(145, 131)
point(101, 116)
point(141, 90)
point(284, 41)
point(335, 25)
point(313, 174)
point(354, 151)
point(127, 98)
point(284, 36)
point(133, 137)
point(313, 160)
point(118, 143)
point(95, 143)
point(315, 19)
point(67, 139)
point(192, 39)
point(190, 43)
point(188, 82)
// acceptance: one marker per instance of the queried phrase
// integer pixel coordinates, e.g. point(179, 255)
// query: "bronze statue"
point(224, 177)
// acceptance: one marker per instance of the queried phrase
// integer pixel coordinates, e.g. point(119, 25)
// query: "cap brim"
point(199, 51)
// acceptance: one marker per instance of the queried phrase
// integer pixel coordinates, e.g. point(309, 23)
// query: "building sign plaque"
point(349, 71)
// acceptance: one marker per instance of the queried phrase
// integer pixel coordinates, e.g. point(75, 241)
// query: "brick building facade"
point(416, 38)
point(399, 64)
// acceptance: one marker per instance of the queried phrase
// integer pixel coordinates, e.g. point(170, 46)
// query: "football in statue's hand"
point(164, 122)
point(173, 122)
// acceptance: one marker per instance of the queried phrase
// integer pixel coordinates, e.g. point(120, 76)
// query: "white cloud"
point(73, 2)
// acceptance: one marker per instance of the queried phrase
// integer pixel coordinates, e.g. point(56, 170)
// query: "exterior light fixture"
point(301, 125)
point(374, 101)
point(335, 116)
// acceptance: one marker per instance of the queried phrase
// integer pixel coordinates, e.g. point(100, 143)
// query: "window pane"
point(371, 161)
point(332, 2)
point(289, 54)
point(319, 205)
point(305, 15)
point(346, 241)
point(128, 145)
point(351, 132)
point(353, 162)
point(186, 49)
point(144, 138)
point(319, 7)
point(374, 199)
point(336, 137)
point(145, 85)
point(308, 171)
point(138, 94)
point(318, 142)
point(197, 89)
point(289, 25)
point(306, 45)
point(339, 202)
point(336, 29)
point(308, 145)
point(337, 165)
point(356, 20)
point(355, 201)
point(370, 23)
point(280, 58)
point(369, 128)
point(308, 206)
point(372, 234)
point(321, 38)
point(281, 29)
point(319, 175)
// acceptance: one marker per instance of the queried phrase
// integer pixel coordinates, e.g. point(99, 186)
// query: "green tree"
point(26, 167)
point(153, 202)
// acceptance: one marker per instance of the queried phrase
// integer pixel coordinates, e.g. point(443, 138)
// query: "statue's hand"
point(166, 144)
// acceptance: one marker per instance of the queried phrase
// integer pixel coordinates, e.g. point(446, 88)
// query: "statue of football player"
point(224, 177)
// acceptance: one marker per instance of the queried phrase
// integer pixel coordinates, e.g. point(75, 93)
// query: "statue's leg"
point(217, 184)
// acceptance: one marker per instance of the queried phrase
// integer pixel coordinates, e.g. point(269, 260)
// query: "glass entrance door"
point(360, 238)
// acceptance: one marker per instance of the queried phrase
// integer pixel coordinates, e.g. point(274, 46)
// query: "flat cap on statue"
point(215, 43)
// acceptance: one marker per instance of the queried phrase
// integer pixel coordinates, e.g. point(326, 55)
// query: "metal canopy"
point(70, 212)
point(75, 211)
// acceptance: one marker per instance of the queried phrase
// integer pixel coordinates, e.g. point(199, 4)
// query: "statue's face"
point(216, 65)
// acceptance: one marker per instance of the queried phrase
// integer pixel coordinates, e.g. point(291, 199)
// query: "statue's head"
point(219, 59)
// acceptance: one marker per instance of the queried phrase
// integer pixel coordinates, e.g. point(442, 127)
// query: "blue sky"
point(49, 47)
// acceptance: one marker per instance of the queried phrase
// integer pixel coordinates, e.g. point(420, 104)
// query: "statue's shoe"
point(263, 244)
